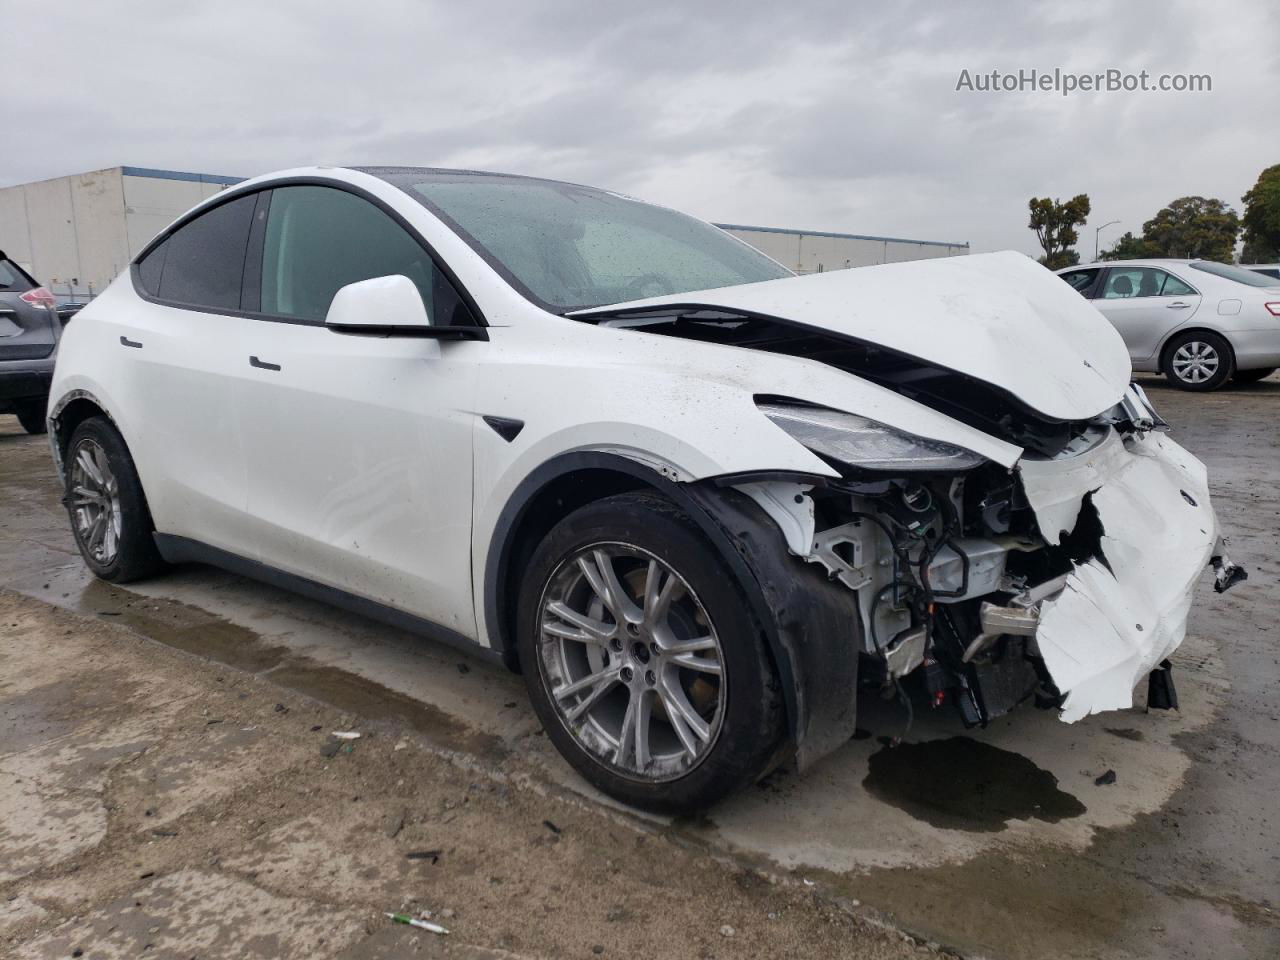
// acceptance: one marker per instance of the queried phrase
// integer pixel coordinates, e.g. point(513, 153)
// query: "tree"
point(1127, 247)
point(1193, 227)
point(1055, 225)
point(1261, 220)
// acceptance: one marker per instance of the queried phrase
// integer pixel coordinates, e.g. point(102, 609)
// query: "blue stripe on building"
point(180, 175)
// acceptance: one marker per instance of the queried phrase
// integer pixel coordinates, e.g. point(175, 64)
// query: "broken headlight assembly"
point(858, 442)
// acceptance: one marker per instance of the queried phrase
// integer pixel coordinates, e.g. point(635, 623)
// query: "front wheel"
point(108, 511)
point(642, 659)
point(1198, 360)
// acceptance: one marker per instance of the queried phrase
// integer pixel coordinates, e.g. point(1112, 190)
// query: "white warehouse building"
point(813, 251)
point(76, 233)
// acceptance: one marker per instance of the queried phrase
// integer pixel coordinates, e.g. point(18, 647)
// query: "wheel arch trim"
point(57, 438)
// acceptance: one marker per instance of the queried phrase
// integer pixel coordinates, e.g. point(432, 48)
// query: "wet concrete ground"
point(996, 842)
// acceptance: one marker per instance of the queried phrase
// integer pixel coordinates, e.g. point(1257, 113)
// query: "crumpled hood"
point(998, 317)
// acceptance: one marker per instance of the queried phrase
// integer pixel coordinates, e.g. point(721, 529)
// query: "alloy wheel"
point(94, 498)
point(632, 662)
point(1195, 362)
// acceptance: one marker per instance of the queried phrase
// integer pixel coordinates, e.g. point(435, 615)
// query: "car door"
point(177, 396)
point(1144, 304)
point(359, 447)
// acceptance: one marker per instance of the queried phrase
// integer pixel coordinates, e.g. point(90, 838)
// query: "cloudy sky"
point(834, 115)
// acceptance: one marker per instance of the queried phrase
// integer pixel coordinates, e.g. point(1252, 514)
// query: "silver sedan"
point(1198, 322)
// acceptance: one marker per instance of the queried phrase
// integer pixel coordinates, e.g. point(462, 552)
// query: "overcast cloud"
point(826, 115)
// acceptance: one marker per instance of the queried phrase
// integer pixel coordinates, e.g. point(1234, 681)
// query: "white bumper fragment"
point(1109, 628)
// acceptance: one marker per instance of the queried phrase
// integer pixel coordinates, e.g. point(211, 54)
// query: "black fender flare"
point(56, 435)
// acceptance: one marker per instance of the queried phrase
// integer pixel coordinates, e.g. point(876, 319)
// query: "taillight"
point(1273, 308)
point(40, 297)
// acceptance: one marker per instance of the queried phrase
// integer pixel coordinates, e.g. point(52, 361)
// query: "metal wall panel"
point(51, 227)
point(68, 232)
point(811, 252)
point(15, 238)
point(152, 203)
point(102, 248)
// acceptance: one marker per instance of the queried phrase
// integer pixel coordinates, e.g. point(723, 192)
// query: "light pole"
point(1110, 223)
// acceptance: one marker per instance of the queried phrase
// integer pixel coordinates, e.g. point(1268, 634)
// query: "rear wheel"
point(1198, 360)
point(642, 660)
point(1253, 376)
point(30, 414)
point(108, 511)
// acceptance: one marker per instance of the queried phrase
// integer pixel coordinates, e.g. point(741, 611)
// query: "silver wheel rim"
point(632, 662)
point(95, 502)
point(1195, 362)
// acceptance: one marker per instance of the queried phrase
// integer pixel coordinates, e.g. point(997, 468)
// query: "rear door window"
point(1125, 282)
point(202, 263)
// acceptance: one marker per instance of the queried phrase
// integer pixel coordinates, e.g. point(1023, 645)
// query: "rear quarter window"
point(150, 267)
point(12, 278)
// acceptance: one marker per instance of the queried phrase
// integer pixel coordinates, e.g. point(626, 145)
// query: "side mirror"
point(389, 307)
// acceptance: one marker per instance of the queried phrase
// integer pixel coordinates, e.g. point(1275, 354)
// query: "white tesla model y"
point(697, 500)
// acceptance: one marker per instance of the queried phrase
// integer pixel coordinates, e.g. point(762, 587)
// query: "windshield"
point(568, 247)
point(1238, 274)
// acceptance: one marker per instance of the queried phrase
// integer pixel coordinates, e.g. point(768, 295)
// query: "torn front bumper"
point(1117, 618)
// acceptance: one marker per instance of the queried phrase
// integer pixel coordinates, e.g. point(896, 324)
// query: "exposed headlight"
point(859, 442)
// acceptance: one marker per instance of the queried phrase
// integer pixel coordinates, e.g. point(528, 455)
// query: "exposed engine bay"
point(991, 587)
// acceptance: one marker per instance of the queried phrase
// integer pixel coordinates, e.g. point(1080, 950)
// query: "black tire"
point(1224, 359)
point(751, 714)
point(1253, 376)
point(135, 556)
point(30, 414)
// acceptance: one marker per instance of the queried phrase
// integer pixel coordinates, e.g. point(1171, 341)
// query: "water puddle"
point(373, 701)
point(180, 625)
point(197, 631)
point(965, 784)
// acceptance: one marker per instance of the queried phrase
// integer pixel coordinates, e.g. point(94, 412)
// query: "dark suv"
point(29, 332)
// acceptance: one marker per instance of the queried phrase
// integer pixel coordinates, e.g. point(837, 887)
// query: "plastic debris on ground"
point(413, 922)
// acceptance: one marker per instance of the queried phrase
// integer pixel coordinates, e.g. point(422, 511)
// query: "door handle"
point(1179, 305)
point(126, 342)
point(262, 364)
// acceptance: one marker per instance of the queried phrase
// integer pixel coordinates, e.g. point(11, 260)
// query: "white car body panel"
point(995, 316)
point(193, 361)
point(365, 464)
point(1109, 628)
point(685, 408)
point(382, 505)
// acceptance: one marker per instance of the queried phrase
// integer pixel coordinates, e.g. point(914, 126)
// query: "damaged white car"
point(698, 501)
